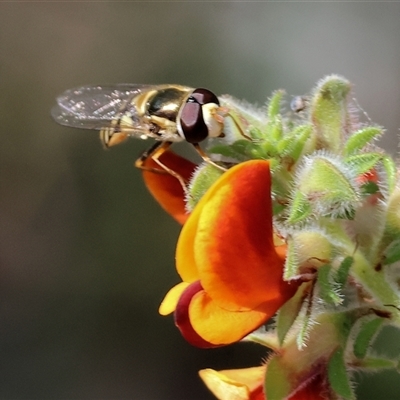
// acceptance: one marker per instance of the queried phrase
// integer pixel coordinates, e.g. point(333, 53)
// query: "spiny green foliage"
point(336, 206)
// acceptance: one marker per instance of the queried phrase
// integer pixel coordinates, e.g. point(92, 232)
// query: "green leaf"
point(306, 322)
point(300, 209)
point(361, 138)
point(277, 208)
point(292, 144)
point(256, 133)
point(376, 363)
point(363, 163)
point(327, 286)
point(289, 311)
point(367, 333)
point(274, 105)
point(291, 269)
point(266, 149)
point(277, 380)
point(343, 271)
point(275, 129)
point(280, 191)
point(392, 253)
point(369, 188)
point(390, 170)
point(325, 180)
point(238, 150)
point(226, 151)
point(300, 137)
point(338, 377)
point(393, 216)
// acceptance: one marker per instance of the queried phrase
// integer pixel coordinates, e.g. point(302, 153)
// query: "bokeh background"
point(86, 255)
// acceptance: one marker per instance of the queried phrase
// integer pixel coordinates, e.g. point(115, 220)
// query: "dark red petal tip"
point(182, 318)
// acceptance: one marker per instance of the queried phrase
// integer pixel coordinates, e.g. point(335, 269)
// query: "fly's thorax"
point(151, 113)
point(162, 101)
point(158, 109)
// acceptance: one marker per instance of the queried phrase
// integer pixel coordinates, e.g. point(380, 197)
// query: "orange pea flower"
point(229, 265)
point(235, 384)
point(248, 384)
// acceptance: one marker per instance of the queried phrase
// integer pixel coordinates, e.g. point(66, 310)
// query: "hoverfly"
point(167, 113)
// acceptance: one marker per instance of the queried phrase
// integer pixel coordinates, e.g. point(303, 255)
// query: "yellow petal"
point(219, 326)
point(235, 384)
point(170, 301)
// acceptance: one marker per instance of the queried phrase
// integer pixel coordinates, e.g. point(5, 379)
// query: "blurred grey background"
point(86, 255)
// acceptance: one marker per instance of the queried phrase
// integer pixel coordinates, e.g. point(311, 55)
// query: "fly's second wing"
point(95, 107)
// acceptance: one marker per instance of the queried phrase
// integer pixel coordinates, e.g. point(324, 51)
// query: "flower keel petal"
point(182, 319)
point(219, 326)
point(235, 384)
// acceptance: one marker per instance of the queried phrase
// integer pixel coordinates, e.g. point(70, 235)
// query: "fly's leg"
point(205, 157)
point(155, 152)
point(239, 126)
point(149, 153)
point(223, 112)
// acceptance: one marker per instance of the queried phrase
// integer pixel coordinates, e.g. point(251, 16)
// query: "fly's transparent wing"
point(93, 107)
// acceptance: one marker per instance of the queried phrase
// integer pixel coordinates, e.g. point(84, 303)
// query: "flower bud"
point(329, 113)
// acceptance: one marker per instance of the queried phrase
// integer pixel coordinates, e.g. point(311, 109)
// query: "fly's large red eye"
point(192, 122)
point(204, 96)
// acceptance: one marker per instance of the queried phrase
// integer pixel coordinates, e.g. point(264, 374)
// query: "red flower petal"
point(228, 242)
point(165, 188)
point(235, 253)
